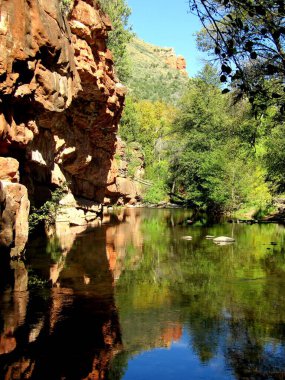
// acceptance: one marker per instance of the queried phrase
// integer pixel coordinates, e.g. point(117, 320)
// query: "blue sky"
point(168, 23)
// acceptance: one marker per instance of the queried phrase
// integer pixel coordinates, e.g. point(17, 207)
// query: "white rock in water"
point(223, 239)
point(210, 237)
point(223, 242)
point(186, 237)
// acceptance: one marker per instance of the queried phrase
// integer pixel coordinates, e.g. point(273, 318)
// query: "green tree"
point(216, 167)
point(274, 157)
point(150, 123)
point(247, 37)
point(120, 36)
point(48, 212)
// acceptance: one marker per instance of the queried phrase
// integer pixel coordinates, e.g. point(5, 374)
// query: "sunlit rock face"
point(60, 101)
point(176, 62)
point(14, 208)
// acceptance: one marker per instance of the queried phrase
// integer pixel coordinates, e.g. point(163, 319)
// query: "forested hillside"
point(152, 76)
point(208, 141)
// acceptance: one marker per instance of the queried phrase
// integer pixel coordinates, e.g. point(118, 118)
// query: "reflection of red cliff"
point(101, 363)
point(119, 237)
point(112, 256)
point(171, 334)
point(7, 343)
point(20, 370)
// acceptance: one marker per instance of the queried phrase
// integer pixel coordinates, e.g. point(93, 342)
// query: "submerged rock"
point(187, 237)
point(223, 239)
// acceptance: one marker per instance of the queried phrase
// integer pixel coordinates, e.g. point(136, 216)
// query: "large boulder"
point(14, 213)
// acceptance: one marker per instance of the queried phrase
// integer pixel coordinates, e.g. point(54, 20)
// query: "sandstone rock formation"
point(60, 101)
point(14, 208)
point(176, 62)
point(124, 181)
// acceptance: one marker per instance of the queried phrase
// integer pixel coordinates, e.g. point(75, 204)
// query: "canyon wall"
point(60, 105)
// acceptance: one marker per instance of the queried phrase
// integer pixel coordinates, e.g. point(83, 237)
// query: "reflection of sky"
point(177, 362)
point(274, 354)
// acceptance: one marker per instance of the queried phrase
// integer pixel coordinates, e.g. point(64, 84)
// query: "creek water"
point(133, 300)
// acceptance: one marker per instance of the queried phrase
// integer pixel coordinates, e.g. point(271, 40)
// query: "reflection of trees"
point(212, 290)
point(253, 357)
point(205, 335)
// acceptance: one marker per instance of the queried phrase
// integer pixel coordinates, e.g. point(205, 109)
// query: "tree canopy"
point(247, 38)
point(120, 36)
point(215, 166)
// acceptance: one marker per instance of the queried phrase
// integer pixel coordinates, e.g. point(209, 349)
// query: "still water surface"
point(132, 300)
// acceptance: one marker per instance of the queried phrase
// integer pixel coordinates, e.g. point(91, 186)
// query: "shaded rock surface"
point(124, 185)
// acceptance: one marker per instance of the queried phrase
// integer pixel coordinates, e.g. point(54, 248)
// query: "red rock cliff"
point(176, 62)
point(60, 101)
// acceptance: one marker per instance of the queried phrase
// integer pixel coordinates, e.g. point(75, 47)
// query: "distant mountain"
point(157, 73)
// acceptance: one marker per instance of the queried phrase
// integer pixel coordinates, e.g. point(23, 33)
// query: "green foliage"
point(247, 38)
point(48, 211)
point(216, 166)
point(213, 152)
point(120, 36)
point(149, 123)
point(35, 281)
point(66, 5)
point(154, 88)
point(158, 173)
point(275, 157)
point(133, 160)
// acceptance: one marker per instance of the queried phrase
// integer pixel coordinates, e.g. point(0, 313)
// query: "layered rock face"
point(60, 101)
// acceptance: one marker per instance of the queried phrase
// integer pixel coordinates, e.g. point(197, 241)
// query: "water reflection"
point(132, 299)
point(230, 299)
point(66, 326)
